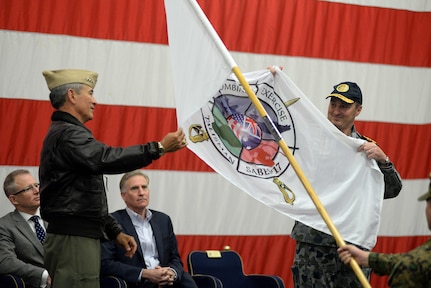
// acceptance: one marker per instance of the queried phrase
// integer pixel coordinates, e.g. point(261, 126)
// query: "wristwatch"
point(161, 149)
point(387, 162)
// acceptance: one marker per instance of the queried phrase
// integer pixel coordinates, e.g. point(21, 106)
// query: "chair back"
point(11, 281)
point(224, 265)
point(207, 281)
point(112, 282)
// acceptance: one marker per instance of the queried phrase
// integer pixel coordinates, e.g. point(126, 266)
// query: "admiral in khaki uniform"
point(316, 262)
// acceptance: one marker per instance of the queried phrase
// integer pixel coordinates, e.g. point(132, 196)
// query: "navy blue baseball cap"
point(349, 92)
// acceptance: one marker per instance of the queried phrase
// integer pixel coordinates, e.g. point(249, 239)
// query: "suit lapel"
point(155, 225)
point(23, 227)
point(127, 225)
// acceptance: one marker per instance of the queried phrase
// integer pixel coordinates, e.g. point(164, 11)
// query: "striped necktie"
point(40, 233)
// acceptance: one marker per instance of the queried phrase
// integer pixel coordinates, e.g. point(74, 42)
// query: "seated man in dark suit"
point(157, 261)
point(22, 234)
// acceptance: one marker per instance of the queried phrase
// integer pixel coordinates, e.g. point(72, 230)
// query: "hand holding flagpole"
point(270, 125)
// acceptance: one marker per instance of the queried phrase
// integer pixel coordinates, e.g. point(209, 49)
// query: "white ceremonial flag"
point(227, 132)
point(194, 52)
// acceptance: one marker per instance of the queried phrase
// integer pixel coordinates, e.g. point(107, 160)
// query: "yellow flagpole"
point(261, 110)
point(270, 125)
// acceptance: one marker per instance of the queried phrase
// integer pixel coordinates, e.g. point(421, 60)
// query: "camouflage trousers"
point(317, 266)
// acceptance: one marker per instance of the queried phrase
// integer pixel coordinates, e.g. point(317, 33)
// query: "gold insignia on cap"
point(342, 88)
point(56, 78)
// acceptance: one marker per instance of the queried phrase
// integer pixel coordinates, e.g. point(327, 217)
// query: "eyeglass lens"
point(28, 188)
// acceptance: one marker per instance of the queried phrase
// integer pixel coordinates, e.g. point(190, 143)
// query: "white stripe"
point(388, 92)
point(207, 204)
point(190, 33)
point(139, 74)
point(405, 215)
point(413, 5)
point(129, 73)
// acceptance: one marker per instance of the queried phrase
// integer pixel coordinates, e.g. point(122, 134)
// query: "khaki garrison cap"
point(427, 195)
point(56, 78)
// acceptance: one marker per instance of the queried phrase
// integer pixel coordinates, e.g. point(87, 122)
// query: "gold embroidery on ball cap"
point(343, 88)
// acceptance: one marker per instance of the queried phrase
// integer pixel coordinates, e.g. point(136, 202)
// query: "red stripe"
point(307, 28)
point(274, 254)
point(407, 145)
point(23, 125)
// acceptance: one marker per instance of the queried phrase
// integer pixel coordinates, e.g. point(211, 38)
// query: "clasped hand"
point(160, 275)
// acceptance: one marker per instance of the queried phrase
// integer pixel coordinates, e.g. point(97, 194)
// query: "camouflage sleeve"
point(382, 264)
point(413, 270)
point(393, 183)
point(408, 273)
point(410, 269)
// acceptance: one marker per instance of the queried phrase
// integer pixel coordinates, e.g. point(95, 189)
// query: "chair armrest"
point(112, 282)
point(267, 281)
point(11, 281)
point(207, 281)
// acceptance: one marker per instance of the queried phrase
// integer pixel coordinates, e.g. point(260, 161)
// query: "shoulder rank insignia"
point(367, 138)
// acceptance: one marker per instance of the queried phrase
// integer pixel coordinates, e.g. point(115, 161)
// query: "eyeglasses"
point(28, 188)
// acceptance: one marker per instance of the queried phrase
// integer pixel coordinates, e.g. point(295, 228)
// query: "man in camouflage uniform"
point(316, 263)
point(412, 269)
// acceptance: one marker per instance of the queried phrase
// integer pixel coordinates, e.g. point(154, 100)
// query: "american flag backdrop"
point(385, 49)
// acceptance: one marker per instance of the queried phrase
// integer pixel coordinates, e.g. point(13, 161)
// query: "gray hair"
point(58, 94)
point(9, 185)
point(129, 175)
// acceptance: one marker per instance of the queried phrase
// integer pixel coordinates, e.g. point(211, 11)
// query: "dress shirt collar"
point(27, 216)
point(135, 216)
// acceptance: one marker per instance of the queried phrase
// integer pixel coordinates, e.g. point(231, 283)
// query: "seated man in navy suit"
point(157, 261)
point(22, 231)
